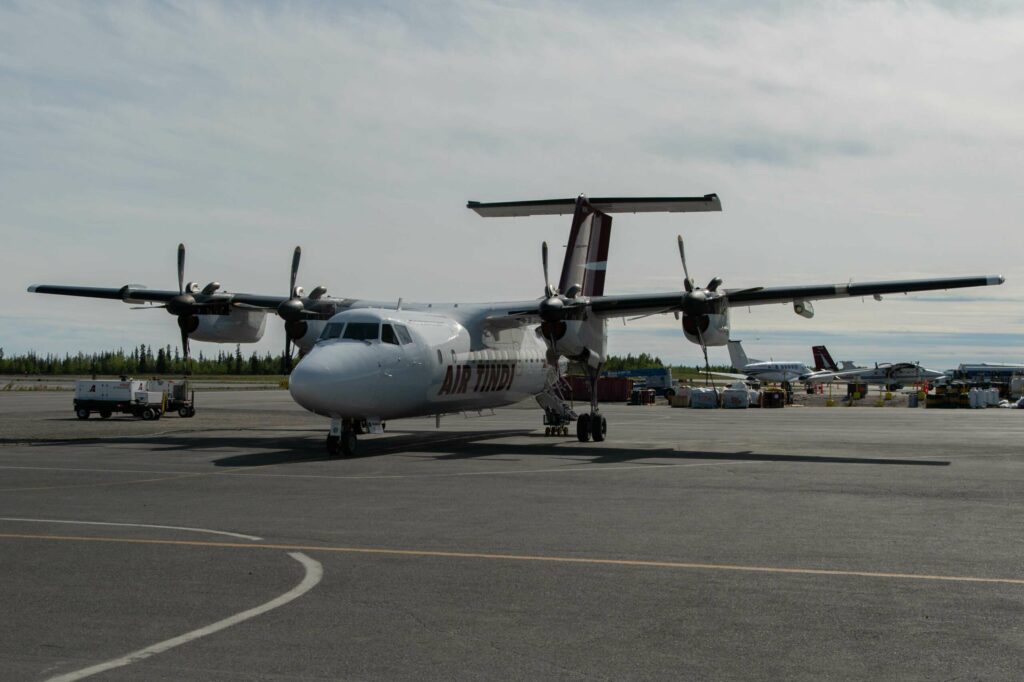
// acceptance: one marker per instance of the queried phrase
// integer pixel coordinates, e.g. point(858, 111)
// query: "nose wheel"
point(343, 444)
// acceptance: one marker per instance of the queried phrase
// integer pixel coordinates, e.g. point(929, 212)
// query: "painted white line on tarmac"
point(314, 573)
point(136, 525)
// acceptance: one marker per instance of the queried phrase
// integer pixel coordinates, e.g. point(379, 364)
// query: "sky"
point(847, 141)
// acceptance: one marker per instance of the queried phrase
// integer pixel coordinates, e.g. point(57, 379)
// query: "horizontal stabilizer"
point(512, 209)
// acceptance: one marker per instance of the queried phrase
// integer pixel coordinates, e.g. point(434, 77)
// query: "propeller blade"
point(548, 291)
point(148, 307)
point(184, 349)
point(682, 256)
point(704, 348)
point(181, 269)
point(287, 353)
point(295, 270)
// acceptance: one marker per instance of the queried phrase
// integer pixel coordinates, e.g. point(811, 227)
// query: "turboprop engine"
point(714, 328)
point(238, 326)
point(566, 327)
point(582, 340)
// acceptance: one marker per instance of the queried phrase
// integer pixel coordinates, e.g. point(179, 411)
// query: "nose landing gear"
point(341, 441)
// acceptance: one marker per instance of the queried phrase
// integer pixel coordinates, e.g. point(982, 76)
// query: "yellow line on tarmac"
point(425, 553)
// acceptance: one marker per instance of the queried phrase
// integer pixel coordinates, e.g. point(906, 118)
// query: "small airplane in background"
point(892, 375)
point(823, 361)
point(371, 360)
point(764, 371)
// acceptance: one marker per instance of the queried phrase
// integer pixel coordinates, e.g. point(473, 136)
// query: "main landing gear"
point(592, 425)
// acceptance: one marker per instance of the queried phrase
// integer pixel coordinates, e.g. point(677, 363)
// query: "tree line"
point(142, 360)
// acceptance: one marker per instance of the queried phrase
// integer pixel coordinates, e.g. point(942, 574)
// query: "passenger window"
point(403, 334)
point(362, 331)
point(387, 334)
point(332, 331)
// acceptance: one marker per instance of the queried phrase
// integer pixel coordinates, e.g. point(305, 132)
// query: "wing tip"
point(32, 289)
point(995, 279)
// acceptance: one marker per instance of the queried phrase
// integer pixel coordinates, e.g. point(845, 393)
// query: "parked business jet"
point(367, 361)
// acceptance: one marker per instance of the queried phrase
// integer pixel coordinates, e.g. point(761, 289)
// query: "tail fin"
point(737, 356)
point(586, 254)
point(823, 359)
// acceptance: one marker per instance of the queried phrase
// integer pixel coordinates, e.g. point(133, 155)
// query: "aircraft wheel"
point(348, 444)
point(333, 446)
point(598, 427)
point(583, 428)
point(105, 414)
point(82, 413)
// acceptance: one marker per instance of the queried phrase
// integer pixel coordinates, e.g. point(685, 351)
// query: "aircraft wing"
point(134, 293)
point(640, 304)
point(727, 375)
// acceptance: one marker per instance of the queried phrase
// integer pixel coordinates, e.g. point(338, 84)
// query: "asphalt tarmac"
point(804, 543)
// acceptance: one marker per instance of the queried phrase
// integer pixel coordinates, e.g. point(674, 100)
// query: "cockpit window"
point(403, 334)
point(332, 331)
point(387, 334)
point(362, 331)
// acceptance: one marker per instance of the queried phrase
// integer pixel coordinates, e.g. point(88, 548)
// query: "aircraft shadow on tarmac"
point(461, 445)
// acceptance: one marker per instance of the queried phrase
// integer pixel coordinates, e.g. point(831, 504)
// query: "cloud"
point(874, 140)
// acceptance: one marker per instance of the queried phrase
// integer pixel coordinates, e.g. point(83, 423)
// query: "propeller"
point(185, 307)
point(697, 304)
point(294, 311)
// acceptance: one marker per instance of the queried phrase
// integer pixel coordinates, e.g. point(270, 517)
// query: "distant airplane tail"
point(737, 356)
point(823, 359)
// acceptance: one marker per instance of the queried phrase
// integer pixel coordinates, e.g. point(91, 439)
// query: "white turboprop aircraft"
point(368, 361)
point(765, 371)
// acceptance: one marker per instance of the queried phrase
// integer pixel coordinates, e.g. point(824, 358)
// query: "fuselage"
point(388, 363)
point(776, 371)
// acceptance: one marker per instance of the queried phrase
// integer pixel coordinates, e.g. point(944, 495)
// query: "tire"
point(333, 446)
point(583, 428)
point(82, 413)
point(598, 427)
point(105, 414)
point(348, 444)
point(191, 412)
point(670, 393)
point(183, 412)
point(149, 414)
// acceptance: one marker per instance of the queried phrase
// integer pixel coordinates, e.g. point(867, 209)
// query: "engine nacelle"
point(308, 339)
point(238, 326)
point(582, 340)
point(714, 329)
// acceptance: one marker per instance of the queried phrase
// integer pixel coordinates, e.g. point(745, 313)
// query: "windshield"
point(362, 331)
point(332, 331)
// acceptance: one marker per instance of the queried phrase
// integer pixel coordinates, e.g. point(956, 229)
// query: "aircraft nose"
point(308, 382)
